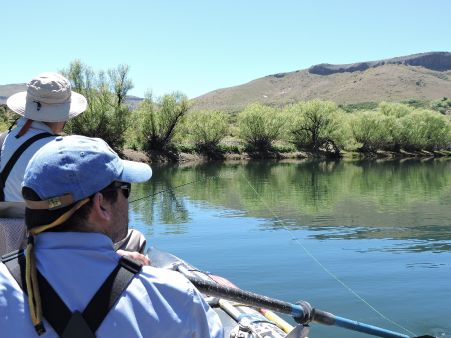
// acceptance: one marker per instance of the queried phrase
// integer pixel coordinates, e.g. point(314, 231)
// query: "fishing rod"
point(176, 187)
point(302, 312)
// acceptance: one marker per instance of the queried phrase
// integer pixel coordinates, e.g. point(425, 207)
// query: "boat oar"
point(302, 312)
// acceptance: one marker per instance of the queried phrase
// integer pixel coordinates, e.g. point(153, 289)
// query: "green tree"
point(259, 126)
point(206, 129)
point(394, 109)
point(317, 125)
point(107, 114)
point(159, 120)
point(425, 129)
point(372, 130)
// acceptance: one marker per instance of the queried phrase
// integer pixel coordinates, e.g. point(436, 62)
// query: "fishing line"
point(330, 273)
point(176, 187)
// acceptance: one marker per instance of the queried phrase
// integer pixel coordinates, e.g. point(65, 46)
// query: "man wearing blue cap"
point(76, 189)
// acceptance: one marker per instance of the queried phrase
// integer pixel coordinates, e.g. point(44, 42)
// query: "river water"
point(365, 240)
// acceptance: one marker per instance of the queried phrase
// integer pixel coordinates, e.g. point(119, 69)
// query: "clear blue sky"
point(199, 46)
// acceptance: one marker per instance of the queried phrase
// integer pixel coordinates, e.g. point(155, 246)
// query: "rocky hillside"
point(425, 76)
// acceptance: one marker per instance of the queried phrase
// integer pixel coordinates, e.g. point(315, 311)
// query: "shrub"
point(158, 121)
point(353, 107)
point(425, 129)
point(259, 126)
point(7, 117)
point(372, 130)
point(443, 105)
point(317, 125)
point(206, 129)
point(394, 109)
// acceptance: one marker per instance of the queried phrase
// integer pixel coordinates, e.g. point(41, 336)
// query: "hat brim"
point(55, 112)
point(135, 172)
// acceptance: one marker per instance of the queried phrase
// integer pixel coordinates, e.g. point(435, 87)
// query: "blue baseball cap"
point(77, 167)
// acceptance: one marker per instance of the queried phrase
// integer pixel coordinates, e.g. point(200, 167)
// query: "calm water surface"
point(370, 241)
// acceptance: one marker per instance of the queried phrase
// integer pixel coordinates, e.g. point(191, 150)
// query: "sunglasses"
point(124, 186)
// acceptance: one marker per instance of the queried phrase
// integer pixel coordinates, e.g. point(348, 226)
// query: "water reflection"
point(157, 200)
point(290, 229)
point(402, 199)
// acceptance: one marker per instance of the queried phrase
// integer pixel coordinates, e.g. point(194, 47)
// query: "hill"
point(7, 90)
point(425, 76)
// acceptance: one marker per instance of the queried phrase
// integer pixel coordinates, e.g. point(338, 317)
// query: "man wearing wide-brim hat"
point(45, 107)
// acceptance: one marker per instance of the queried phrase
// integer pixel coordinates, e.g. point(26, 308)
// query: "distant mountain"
point(424, 76)
point(7, 90)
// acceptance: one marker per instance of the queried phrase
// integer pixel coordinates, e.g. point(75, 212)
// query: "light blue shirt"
point(13, 183)
point(157, 303)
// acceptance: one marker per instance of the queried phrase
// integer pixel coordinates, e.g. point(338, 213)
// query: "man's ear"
point(101, 208)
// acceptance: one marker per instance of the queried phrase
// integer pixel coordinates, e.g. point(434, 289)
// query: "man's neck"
point(57, 127)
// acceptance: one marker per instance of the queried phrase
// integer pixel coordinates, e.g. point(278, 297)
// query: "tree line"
point(167, 124)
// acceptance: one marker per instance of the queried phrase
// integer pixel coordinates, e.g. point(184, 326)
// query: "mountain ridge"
point(438, 61)
point(422, 76)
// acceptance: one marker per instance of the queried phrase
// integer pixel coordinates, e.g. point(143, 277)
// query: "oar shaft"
point(246, 297)
point(330, 319)
point(303, 313)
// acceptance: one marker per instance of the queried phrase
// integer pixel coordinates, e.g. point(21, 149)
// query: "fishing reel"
point(254, 328)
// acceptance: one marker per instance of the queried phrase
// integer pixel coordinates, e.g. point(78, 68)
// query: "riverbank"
point(141, 156)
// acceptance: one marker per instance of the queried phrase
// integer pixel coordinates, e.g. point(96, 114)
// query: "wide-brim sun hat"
point(48, 98)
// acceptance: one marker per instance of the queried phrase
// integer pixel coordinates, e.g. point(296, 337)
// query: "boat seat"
point(12, 234)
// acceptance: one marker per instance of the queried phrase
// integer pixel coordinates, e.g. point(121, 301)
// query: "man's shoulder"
point(11, 142)
point(166, 282)
point(161, 276)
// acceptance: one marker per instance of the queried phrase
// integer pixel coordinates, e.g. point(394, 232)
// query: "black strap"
point(12, 161)
point(110, 291)
point(55, 310)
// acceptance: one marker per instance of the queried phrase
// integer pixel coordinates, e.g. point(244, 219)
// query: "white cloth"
point(13, 183)
point(157, 303)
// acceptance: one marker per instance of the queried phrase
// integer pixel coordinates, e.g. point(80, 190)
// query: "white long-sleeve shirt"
point(157, 303)
point(13, 183)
